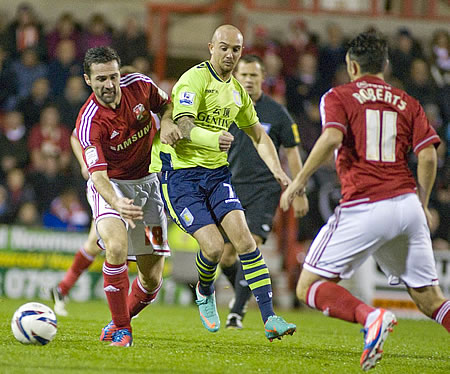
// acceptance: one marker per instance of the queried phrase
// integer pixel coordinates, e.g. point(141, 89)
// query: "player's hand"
point(128, 210)
point(282, 178)
point(300, 205)
point(429, 217)
point(170, 133)
point(294, 189)
point(225, 141)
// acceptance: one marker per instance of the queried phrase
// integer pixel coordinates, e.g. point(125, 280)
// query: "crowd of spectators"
point(42, 90)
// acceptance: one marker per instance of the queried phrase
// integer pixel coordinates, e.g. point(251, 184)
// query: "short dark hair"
point(248, 59)
point(99, 55)
point(370, 50)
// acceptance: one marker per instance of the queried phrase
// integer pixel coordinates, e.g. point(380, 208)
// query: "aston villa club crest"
point(141, 113)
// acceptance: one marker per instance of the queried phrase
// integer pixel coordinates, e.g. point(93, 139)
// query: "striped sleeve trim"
point(423, 142)
point(86, 123)
point(134, 77)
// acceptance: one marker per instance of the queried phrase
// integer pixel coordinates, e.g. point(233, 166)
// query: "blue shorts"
point(197, 197)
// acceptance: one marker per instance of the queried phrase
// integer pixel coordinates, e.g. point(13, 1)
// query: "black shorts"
point(260, 202)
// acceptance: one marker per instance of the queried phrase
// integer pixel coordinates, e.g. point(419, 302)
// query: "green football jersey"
point(215, 105)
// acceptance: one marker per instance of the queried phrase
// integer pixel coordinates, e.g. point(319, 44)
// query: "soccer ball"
point(34, 323)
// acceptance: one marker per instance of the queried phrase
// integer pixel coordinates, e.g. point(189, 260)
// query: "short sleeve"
point(332, 112)
point(423, 134)
point(187, 93)
point(246, 116)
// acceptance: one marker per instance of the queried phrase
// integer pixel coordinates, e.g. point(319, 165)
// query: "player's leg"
point(256, 272)
point(82, 260)
point(211, 248)
point(242, 293)
point(432, 303)
point(185, 199)
point(114, 234)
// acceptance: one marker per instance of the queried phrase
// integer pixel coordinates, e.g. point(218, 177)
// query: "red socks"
point(80, 263)
point(442, 315)
point(139, 297)
point(335, 301)
point(116, 285)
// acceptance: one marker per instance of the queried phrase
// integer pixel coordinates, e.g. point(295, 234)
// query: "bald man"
point(196, 183)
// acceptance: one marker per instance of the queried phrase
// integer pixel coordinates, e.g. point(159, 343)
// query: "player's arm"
point(330, 139)
point(220, 141)
point(300, 203)
point(267, 151)
point(426, 175)
point(123, 205)
point(78, 152)
point(170, 132)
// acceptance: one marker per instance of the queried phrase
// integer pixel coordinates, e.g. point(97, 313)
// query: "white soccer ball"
point(34, 323)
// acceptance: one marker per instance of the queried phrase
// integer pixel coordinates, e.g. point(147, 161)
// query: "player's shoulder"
point(134, 79)
point(91, 112)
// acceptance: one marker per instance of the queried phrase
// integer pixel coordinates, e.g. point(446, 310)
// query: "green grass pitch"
point(171, 339)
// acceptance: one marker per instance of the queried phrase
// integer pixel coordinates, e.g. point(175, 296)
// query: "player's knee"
point(116, 251)
point(245, 244)
point(301, 291)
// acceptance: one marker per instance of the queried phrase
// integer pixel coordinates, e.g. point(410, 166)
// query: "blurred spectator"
point(66, 212)
point(28, 69)
point(298, 41)
point(340, 76)
point(440, 70)
point(332, 54)
point(261, 43)
point(131, 42)
point(274, 84)
point(419, 84)
point(32, 105)
point(49, 182)
point(69, 104)
point(303, 86)
point(28, 215)
point(49, 137)
point(440, 57)
point(405, 50)
point(18, 192)
point(8, 82)
point(25, 32)
point(142, 65)
point(66, 29)
point(13, 143)
point(4, 218)
point(97, 33)
point(63, 66)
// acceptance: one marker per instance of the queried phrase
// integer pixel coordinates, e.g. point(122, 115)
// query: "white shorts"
point(394, 231)
point(150, 235)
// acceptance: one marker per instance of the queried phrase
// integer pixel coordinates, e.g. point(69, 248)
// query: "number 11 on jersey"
point(381, 133)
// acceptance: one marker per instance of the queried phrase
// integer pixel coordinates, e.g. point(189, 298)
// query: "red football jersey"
point(381, 124)
point(119, 140)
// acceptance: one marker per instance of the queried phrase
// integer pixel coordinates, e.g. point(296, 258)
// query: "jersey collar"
point(214, 74)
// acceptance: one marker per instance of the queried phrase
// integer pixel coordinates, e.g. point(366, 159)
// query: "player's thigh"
point(114, 235)
point(408, 257)
point(185, 200)
point(260, 202)
point(210, 241)
point(150, 270)
point(235, 227)
point(90, 246)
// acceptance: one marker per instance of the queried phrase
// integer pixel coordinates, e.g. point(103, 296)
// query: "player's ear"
point(355, 68)
point(211, 48)
point(87, 79)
